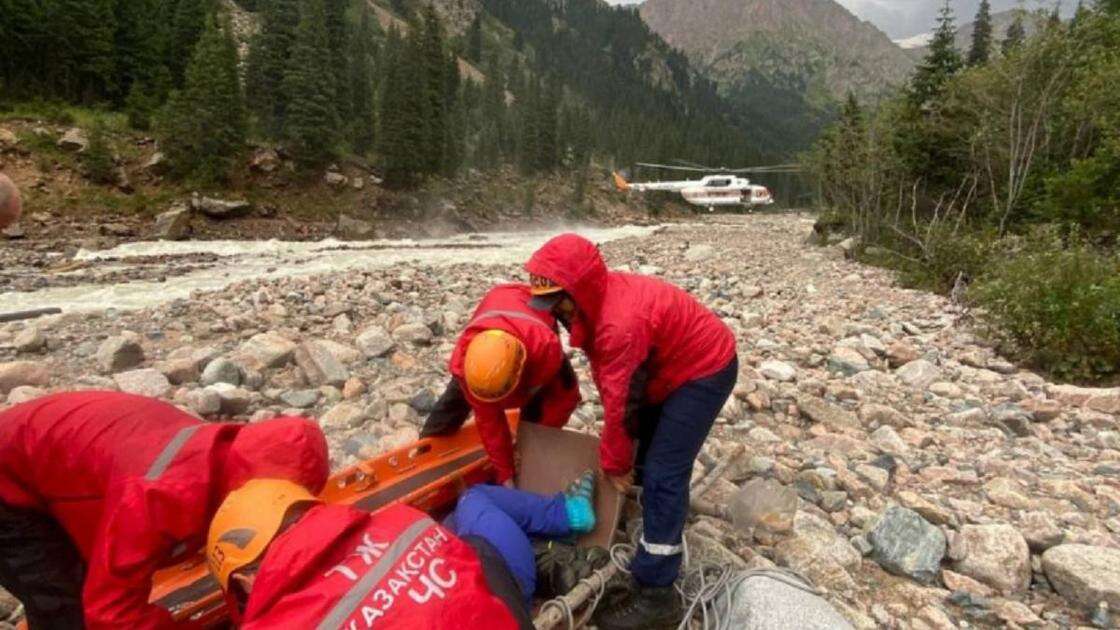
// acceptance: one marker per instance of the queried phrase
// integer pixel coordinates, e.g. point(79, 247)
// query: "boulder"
point(204, 402)
point(119, 353)
point(335, 179)
point(221, 370)
point(768, 601)
point(29, 340)
point(819, 553)
point(900, 353)
point(1040, 531)
point(1084, 574)
point(319, 365)
point(906, 544)
point(817, 410)
point(8, 140)
point(173, 225)
point(375, 342)
point(847, 361)
point(16, 373)
point(156, 165)
point(919, 373)
point(777, 371)
point(349, 227)
point(148, 382)
point(74, 140)
point(265, 350)
point(344, 415)
point(995, 554)
point(697, 253)
point(265, 160)
point(235, 401)
point(300, 398)
point(765, 504)
point(220, 208)
point(179, 371)
point(416, 333)
point(25, 393)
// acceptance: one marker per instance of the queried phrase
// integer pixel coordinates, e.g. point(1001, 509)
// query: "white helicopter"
point(723, 189)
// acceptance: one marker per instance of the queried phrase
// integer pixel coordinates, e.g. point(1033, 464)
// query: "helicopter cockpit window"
point(719, 183)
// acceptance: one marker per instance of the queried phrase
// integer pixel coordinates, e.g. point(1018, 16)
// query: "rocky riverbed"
point(877, 444)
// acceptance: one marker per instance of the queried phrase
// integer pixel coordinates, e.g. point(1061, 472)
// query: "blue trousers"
point(670, 437)
point(506, 519)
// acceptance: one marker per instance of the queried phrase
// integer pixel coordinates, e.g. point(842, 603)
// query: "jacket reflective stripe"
point(655, 549)
point(349, 602)
point(163, 460)
point(513, 314)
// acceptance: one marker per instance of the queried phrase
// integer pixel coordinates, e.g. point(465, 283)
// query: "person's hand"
point(622, 482)
point(508, 483)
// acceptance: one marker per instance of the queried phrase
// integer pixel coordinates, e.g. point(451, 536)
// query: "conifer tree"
point(362, 122)
point(493, 143)
point(942, 62)
point(1015, 35)
point(981, 48)
point(268, 60)
point(312, 125)
point(203, 127)
point(137, 48)
point(433, 87)
point(337, 37)
point(187, 25)
point(399, 134)
point(474, 39)
point(78, 58)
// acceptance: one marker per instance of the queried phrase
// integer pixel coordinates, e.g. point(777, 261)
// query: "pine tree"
point(269, 55)
point(474, 39)
point(362, 122)
point(455, 114)
point(203, 126)
point(493, 143)
point(78, 62)
point(1015, 36)
point(337, 36)
point(186, 27)
point(400, 126)
point(941, 63)
point(138, 53)
point(981, 36)
point(433, 77)
point(312, 125)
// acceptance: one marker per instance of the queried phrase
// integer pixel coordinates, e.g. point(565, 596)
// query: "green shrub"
point(946, 255)
point(97, 159)
point(1059, 304)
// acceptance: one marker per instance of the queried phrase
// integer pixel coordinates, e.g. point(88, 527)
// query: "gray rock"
point(173, 225)
point(350, 227)
point(765, 600)
point(25, 393)
point(423, 401)
point(74, 140)
point(29, 340)
point(764, 503)
point(235, 401)
point(143, 382)
point(1040, 531)
point(157, 164)
point(836, 418)
point(920, 373)
point(415, 333)
point(697, 253)
point(320, 365)
point(221, 370)
point(265, 350)
point(336, 179)
point(906, 544)
point(375, 342)
point(300, 398)
point(343, 416)
point(847, 361)
point(120, 353)
point(220, 208)
point(777, 371)
point(818, 552)
point(204, 402)
point(1084, 574)
point(995, 554)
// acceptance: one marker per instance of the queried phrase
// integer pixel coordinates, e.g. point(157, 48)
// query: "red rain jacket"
point(339, 567)
point(629, 323)
point(135, 482)
point(506, 308)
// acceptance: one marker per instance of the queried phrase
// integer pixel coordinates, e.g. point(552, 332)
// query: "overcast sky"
point(904, 18)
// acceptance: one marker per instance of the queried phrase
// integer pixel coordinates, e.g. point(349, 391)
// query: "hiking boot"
point(561, 566)
point(642, 608)
point(579, 502)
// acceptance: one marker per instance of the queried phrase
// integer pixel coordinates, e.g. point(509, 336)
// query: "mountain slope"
point(1032, 22)
point(815, 47)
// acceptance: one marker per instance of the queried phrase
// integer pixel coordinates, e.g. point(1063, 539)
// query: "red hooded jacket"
point(339, 567)
point(135, 482)
point(628, 323)
point(505, 307)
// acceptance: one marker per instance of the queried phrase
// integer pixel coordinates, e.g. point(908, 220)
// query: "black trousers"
point(42, 568)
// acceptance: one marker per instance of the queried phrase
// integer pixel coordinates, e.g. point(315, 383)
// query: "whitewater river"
point(240, 260)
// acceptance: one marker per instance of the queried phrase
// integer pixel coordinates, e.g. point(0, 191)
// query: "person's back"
point(338, 567)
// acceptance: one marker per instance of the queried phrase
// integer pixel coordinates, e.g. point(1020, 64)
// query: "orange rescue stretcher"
point(429, 475)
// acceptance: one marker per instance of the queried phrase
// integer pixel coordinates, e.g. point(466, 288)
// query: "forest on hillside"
point(995, 176)
point(551, 85)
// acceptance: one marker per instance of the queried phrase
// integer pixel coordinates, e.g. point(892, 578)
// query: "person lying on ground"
point(664, 366)
point(508, 357)
point(98, 490)
point(286, 560)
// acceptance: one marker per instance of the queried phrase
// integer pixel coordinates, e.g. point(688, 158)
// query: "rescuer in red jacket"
point(100, 489)
point(286, 561)
point(508, 357)
point(664, 366)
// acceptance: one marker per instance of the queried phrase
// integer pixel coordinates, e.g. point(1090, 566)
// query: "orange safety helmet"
point(247, 521)
point(493, 364)
point(545, 292)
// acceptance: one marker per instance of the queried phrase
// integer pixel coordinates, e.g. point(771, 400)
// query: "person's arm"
point(493, 429)
point(450, 412)
point(131, 545)
point(620, 379)
point(556, 402)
